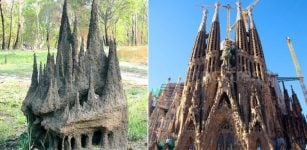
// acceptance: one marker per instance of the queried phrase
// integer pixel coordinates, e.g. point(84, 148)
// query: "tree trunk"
point(3, 28)
point(135, 42)
point(17, 40)
point(134, 30)
point(11, 25)
point(37, 26)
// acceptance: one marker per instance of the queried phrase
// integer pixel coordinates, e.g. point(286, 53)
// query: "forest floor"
point(15, 78)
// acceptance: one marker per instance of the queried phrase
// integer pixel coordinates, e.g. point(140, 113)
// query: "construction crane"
point(204, 6)
point(246, 10)
point(228, 7)
point(244, 14)
point(297, 68)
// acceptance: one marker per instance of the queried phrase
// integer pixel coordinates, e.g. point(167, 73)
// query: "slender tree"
point(37, 10)
point(3, 27)
point(109, 13)
point(11, 25)
point(19, 28)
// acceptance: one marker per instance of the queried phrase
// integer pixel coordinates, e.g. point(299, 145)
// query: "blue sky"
point(173, 27)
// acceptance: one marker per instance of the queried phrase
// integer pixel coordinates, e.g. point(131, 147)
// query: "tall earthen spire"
point(34, 80)
point(113, 78)
point(93, 38)
point(75, 44)
point(64, 44)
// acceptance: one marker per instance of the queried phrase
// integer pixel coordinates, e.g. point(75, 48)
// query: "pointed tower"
point(242, 58)
point(296, 104)
point(213, 48)
point(195, 70)
point(258, 67)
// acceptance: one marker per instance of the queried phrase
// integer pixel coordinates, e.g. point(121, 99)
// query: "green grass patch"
point(12, 120)
point(19, 62)
point(137, 107)
point(5, 131)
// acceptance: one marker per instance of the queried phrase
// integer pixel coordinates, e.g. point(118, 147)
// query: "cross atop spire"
point(251, 20)
point(202, 26)
point(216, 13)
point(239, 14)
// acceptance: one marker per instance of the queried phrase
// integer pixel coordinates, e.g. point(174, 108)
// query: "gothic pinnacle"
point(251, 20)
point(239, 13)
point(202, 26)
point(216, 12)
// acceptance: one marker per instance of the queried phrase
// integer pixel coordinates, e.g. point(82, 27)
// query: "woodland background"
point(32, 24)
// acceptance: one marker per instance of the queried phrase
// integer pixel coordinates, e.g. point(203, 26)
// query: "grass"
point(19, 62)
point(12, 120)
point(137, 110)
point(16, 70)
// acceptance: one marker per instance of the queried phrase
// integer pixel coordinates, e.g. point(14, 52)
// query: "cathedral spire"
point(216, 12)
point(241, 35)
point(286, 97)
point(212, 62)
point(251, 20)
point(295, 103)
point(239, 13)
point(256, 49)
point(255, 42)
point(202, 26)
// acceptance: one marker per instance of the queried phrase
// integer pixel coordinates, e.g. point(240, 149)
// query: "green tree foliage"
point(126, 21)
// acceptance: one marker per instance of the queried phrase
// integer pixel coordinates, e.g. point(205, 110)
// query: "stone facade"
point(229, 99)
point(77, 100)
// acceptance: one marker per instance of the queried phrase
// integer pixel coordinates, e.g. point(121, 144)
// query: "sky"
point(173, 26)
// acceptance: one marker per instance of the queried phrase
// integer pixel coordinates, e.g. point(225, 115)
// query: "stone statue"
point(226, 56)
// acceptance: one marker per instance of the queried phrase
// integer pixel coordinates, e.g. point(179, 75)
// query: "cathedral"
point(229, 99)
